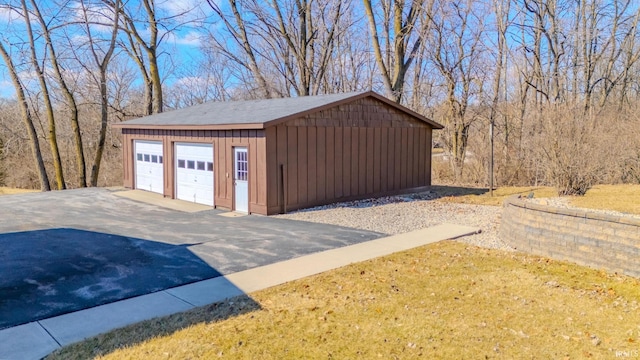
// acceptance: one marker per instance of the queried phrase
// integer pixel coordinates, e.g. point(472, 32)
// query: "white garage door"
point(194, 173)
point(149, 165)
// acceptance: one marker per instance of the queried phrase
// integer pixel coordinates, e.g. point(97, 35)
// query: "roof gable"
point(254, 114)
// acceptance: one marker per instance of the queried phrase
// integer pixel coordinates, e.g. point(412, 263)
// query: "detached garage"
point(277, 155)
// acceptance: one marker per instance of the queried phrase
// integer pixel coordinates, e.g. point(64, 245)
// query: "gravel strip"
point(399, 214)
point(563, 202)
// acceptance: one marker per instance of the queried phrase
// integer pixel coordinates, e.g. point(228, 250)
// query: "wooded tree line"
point(557, 80)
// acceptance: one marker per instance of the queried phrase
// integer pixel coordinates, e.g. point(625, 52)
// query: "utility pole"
point(491, 158)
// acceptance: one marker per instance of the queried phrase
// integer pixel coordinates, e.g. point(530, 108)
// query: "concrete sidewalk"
point(37, 339)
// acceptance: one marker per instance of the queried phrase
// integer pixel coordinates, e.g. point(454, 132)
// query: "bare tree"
point(26, 117)
point(150, 48)
point(285, 45)
point(423, 82)
point(239, 34)
point(631, 55)
point(307, 39)
point(501, 10)
point(67, 93)
point(46, 97)
point(401, 35)
point(597, 50)
point(209, 79)
point(101, 57)
point(136, 53)
point(455, 52)
point(145, 30)
point(352, 68)
point(620, 55)
point(549, 48)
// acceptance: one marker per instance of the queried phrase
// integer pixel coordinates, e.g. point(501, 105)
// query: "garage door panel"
point(149, 166)
point(194, 173)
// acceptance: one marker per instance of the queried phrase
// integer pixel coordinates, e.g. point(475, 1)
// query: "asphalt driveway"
point(68, 250)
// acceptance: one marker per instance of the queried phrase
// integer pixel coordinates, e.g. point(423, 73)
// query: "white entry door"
point(148, 165)
point(194, 173)
point(241, 179)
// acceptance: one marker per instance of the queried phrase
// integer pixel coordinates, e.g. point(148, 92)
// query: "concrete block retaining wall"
point(592, 239)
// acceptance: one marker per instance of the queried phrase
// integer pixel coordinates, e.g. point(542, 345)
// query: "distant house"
point(277, 155)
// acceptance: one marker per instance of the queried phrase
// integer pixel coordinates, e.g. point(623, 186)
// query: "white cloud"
point(7, 90)
point(191, 38)
point(179, 7)
point(192, 82)
point(100, 17)
point(10, 15)
point(192, 12)
point(30, 77)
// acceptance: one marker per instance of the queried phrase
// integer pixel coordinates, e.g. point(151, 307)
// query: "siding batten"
point(303, 162)
point(360, 146)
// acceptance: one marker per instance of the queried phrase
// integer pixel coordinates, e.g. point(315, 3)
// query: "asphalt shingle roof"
point(244, 112)
point(239, 112)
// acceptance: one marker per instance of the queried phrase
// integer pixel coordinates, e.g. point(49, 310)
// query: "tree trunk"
point(28, 121)
point(71, 101)
point(52, 137)
point(153, 80)
point(394, 70)
point(103, 65)
point(156, 82)
point(104, 114)
point(459, 149)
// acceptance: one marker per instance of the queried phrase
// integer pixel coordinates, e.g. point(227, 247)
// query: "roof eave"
point(250, 126)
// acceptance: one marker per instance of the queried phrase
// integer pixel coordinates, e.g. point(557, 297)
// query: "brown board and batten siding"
point(302, 152)
point(356, 150)
point(223, 142)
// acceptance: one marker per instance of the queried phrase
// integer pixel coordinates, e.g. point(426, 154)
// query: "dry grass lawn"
point(482, 196)
point(623, 198)
point(11, 191)
point(445, 300)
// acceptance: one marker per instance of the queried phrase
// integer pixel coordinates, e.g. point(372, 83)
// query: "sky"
point(179, 46)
